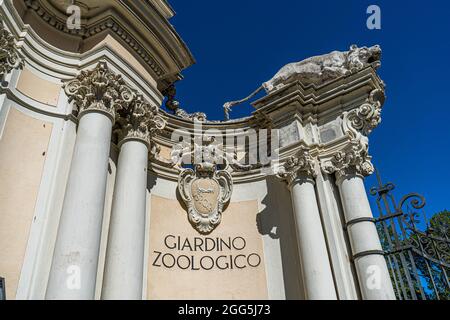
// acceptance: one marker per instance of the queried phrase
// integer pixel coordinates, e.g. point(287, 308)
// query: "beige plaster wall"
point(37, 88)
point(168, 217)
point(23, 148)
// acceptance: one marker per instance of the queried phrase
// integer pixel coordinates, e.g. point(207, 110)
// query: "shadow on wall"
point(151, 181)
point(276, 221)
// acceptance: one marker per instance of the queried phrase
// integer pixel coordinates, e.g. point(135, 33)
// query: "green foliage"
point(419, 263)
point(439, 224)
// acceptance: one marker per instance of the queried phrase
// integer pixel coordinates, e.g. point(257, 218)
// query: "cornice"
point(139, 25)
point(164, 7)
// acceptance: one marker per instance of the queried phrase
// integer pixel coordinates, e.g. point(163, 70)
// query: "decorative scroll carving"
point(368, 116)
point(198, 116)
point(302, 163)
point(354, 158)
point(211, 150)
point(9, 55)
point(138, 120)
point(327, 67)
point(174, 105)
point(171, 103)
point(99, 89)
point(205, 190)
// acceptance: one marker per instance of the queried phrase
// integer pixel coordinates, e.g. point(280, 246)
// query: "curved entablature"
point(140, 26)
point(324, 116)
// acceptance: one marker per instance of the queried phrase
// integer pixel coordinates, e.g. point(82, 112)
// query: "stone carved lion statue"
point(318, 70)
point(323, 68)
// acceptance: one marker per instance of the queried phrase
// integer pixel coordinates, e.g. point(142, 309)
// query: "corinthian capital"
point(139, 120)
point(99, 90)
point(368, 116)
point(354, 158)
point(301, 164)
point(9, 55)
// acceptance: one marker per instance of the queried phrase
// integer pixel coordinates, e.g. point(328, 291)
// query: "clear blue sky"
point(238, 44)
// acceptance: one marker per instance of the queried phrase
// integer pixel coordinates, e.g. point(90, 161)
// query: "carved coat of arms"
point(205, 190)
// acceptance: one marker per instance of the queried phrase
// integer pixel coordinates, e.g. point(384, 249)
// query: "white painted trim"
point(337, 247)
point(43, 199)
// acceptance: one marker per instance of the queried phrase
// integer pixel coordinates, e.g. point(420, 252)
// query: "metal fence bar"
point(418, 261)
point(2, 289)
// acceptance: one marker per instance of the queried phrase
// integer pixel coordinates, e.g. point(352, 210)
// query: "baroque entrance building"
point(110, 190)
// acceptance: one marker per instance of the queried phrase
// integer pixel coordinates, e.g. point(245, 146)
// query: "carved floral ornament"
point(102, 90)
point(354, 158)
point(301, 164)
point(138, 120)
point(10, 57)
point(99, 89)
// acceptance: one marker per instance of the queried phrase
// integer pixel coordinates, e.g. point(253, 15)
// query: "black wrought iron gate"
point(417, 250)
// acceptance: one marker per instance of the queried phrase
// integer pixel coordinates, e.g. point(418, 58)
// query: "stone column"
point(316, 269)
point(351, 165)
point(96, 94)
point(123, 277)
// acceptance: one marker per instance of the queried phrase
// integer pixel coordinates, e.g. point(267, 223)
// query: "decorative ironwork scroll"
point(417, 250)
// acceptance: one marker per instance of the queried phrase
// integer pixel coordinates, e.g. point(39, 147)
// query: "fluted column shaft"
point(74, 268)
point(123, 277)
point(373, 275)
point(124, 264)
point(299, 171)
point(316, 269)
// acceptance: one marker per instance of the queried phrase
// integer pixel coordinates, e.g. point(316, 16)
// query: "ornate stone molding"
point(368, 116)
point(354, 158)
point(138, 120)
point(301, 164)
point(10, 57)
point(197, 116)
point(99, 90)
point(205, 190)
point(210, 151)
point(90, 31)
